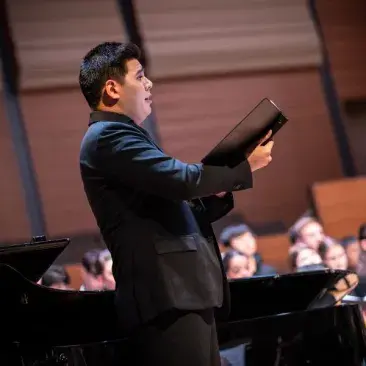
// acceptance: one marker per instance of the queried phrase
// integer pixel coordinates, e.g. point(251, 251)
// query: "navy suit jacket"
point(155, 215)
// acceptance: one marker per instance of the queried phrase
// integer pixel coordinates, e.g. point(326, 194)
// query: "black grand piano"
point(296, 319)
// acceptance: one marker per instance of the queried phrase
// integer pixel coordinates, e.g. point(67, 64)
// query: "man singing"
point(155, 215)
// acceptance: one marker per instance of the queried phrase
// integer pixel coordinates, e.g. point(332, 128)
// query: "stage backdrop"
point(211, 63)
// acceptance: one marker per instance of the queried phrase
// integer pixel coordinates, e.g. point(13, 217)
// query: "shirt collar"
point(97, 116)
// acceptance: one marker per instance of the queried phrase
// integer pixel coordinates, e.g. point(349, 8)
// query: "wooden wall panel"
point(51, 37)
point(274, 251)
point(193, 115)
point(341, 205)
point(344, 27)
point(74, 271)
point(14, 223)
point(182, 37)
point(55, 134)
point(213, 36)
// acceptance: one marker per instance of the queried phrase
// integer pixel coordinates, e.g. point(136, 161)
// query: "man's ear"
point(112, 89)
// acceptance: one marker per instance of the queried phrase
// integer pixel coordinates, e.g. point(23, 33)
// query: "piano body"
point(286, 320)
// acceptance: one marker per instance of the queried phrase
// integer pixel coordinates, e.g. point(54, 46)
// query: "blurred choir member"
point(56, 277)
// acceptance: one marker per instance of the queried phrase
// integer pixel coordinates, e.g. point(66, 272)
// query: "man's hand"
point(261, 156)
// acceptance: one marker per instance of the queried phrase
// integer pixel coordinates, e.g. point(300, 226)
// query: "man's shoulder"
point(102, 127)
point(109, 131)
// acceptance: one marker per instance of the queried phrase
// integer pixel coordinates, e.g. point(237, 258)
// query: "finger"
point(269, 146)
point(269, 134)
point(265, 138)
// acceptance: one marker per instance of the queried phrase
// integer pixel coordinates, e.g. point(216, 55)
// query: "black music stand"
point(34, 258)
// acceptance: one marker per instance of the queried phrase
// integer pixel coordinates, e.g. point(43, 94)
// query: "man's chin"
point(148, 112)
point(143, 119)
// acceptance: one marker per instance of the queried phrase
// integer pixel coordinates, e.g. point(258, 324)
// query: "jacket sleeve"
point(215, 207)
point(126, 155)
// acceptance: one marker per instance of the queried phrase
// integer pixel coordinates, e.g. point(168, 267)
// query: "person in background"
point(306, 233)
point(236, 265)
point(362, 242)
point(362, 236)
point(92, 271)
point(107, 274)
point(303, 258)
point(352, 247)
point(56, 277)
point(242, 239)
point(333, 255)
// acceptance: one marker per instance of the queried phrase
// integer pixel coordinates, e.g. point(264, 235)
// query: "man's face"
point(133, 94)
point(312, 235)
point(245, 244)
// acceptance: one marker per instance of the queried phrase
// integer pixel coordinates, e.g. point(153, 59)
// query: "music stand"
point(34, 258)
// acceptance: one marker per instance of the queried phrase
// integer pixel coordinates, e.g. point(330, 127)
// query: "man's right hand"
point(261, 156)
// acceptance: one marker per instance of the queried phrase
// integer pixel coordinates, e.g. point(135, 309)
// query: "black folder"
point(240, 142)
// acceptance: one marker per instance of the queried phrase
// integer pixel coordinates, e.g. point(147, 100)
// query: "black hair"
point(293, 259)
point(91, 262)
point(103, 62)
point(362, 232)
point(105, 256)
point(55, 274)
point(230, 255)
point(232, 232)
point(347, 240)
point(294, 231)
point(295, 254)
point(325, 245)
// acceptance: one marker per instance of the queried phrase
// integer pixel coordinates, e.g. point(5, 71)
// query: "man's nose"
point(149, 84)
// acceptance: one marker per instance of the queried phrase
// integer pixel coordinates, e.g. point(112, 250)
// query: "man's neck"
point(114, 109)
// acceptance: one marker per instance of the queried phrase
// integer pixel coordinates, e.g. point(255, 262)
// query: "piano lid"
point(34, 258)
point(269, 295)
